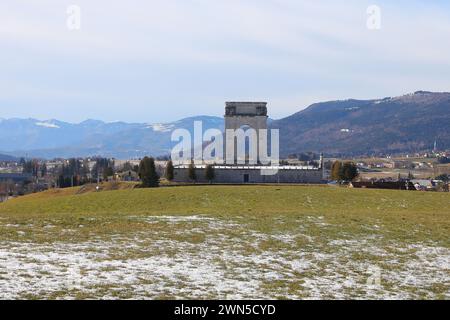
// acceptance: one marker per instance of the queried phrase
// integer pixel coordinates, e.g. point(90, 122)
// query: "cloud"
point(192, 55)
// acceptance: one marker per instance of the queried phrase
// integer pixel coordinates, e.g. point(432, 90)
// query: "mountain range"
point(405, 124)
point(53, 138)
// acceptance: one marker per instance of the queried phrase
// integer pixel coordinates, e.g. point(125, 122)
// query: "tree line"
point(75, 172)
point(150, 178)
point(344, 171)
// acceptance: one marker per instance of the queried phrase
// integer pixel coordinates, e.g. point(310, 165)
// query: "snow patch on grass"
point(230, 261)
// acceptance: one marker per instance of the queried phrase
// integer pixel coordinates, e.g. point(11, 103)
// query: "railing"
point(241, 167)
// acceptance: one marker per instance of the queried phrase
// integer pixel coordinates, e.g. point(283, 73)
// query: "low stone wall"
point(238, 176)
point(441, 169)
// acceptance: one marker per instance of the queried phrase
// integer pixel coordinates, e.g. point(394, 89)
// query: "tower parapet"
point(246, 109)
point(241, 115)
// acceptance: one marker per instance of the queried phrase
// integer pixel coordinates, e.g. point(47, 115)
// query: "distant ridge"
point(404, 124)
point(4, 157)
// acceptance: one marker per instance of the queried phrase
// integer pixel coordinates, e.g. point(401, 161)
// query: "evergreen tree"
point(43, 170)
point(25, 167)
point(147, 173)
point(108, 172)
point(61, 181)
point(349, 171)
point(191, 172)
point(85, 170)
point(336, 170)
point(169, 171)
point(210, 174)
point(35, 165)
point(127, 166)
point(443, 177)
point(31, 167)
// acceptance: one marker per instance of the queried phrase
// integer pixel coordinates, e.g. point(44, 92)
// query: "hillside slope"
point(356, 127)
point(225, 242)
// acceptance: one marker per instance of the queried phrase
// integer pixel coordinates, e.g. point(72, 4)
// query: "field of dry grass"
point(226, 242)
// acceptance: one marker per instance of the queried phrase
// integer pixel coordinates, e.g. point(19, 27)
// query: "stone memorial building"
point(242, 115)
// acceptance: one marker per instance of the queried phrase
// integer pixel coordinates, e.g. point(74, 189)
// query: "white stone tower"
point(245, 114)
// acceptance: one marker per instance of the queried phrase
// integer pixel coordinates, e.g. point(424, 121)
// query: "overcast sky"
point(156, 61)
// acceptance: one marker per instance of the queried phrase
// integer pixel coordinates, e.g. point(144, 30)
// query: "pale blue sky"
point(156, 61)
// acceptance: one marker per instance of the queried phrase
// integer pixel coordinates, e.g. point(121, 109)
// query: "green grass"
point(382, 227)
point(405, 214)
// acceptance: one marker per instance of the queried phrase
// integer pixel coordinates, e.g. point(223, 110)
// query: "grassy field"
point(225, 242)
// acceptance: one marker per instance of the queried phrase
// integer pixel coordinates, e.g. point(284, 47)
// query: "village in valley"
point(427, 171)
